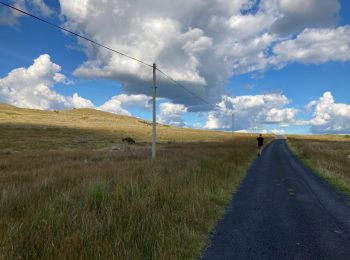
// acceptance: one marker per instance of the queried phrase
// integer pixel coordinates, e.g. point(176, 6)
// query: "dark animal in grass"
point(128, 140)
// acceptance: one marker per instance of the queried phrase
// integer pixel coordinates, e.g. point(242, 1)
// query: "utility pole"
point(154, 113)
point(233, 123)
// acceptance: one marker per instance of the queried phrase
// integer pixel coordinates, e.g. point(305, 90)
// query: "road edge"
point(333, 182)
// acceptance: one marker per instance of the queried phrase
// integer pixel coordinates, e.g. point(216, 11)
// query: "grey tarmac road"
point(282, 210)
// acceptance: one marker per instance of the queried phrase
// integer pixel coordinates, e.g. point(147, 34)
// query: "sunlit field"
point(327, 155)
point(70, 128)
point(67, 194)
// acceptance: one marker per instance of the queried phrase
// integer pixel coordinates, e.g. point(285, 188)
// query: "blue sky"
point(225, 68)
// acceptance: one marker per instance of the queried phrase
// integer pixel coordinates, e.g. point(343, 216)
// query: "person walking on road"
point(260, 140)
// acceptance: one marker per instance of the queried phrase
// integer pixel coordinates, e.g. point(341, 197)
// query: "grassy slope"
point(109, 127)
point(326, 155)
point(63, 194)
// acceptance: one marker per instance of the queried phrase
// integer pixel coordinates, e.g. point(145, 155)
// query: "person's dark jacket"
point(260, 140)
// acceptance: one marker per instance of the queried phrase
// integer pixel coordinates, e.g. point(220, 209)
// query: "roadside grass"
point(65, 194)
point(112, 205)
point(327, 156)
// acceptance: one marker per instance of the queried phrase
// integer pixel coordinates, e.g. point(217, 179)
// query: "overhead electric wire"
point(183, 87)
point(76, 34)
point(108, 48)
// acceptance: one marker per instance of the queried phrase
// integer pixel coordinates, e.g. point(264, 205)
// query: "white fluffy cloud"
point(328, 116)
point(10, 17)
point(119, 104)
point(202, 43)
point(172, 114)
point(32, 87)
point(281, 116)
point(314, 46)
point(251, 111)
point(78, 102)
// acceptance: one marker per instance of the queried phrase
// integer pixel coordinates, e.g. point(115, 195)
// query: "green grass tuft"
point(96, 196)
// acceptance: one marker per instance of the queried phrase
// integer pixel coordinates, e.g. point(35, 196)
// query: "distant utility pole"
point(233, 123)
point(154, 113)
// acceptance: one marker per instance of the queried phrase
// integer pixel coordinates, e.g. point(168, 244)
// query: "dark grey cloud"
point(296, 15)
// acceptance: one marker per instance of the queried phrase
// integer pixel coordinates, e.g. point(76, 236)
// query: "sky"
point(277, 66)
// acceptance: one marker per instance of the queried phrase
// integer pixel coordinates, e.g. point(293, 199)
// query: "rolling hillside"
point(86, 128)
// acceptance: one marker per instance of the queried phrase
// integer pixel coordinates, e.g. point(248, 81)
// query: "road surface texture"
point(282, 211)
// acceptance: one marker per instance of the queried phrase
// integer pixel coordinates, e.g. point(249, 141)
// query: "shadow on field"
point(19, 137)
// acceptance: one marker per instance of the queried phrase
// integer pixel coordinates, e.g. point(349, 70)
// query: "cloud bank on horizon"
point(200, 43)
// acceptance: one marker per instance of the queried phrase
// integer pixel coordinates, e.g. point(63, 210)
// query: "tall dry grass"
point(326, 156)
point(89, 121)
point(63, 199)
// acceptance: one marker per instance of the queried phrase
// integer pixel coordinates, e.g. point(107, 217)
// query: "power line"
point(183, 87)
point(76, 34)
point(154, 67)
point(108, 48)
point(189, 91)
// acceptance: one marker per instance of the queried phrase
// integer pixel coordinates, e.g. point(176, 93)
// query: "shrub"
point(128, 140)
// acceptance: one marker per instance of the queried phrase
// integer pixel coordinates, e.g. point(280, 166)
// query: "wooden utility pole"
point(154, 112)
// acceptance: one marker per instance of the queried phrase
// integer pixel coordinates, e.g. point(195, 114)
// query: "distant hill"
point(103, 122)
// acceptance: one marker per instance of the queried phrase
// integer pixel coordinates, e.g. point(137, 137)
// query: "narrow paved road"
point(283, 211)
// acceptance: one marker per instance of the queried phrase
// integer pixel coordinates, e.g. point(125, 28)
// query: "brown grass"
point(334, 138)
point(326, 155)
point(65, 195)
point(90, 204)
point(111, 126)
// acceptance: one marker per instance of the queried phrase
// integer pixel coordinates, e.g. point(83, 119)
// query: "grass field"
point(61, 127)
point(65, 194)
point(326, 155)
